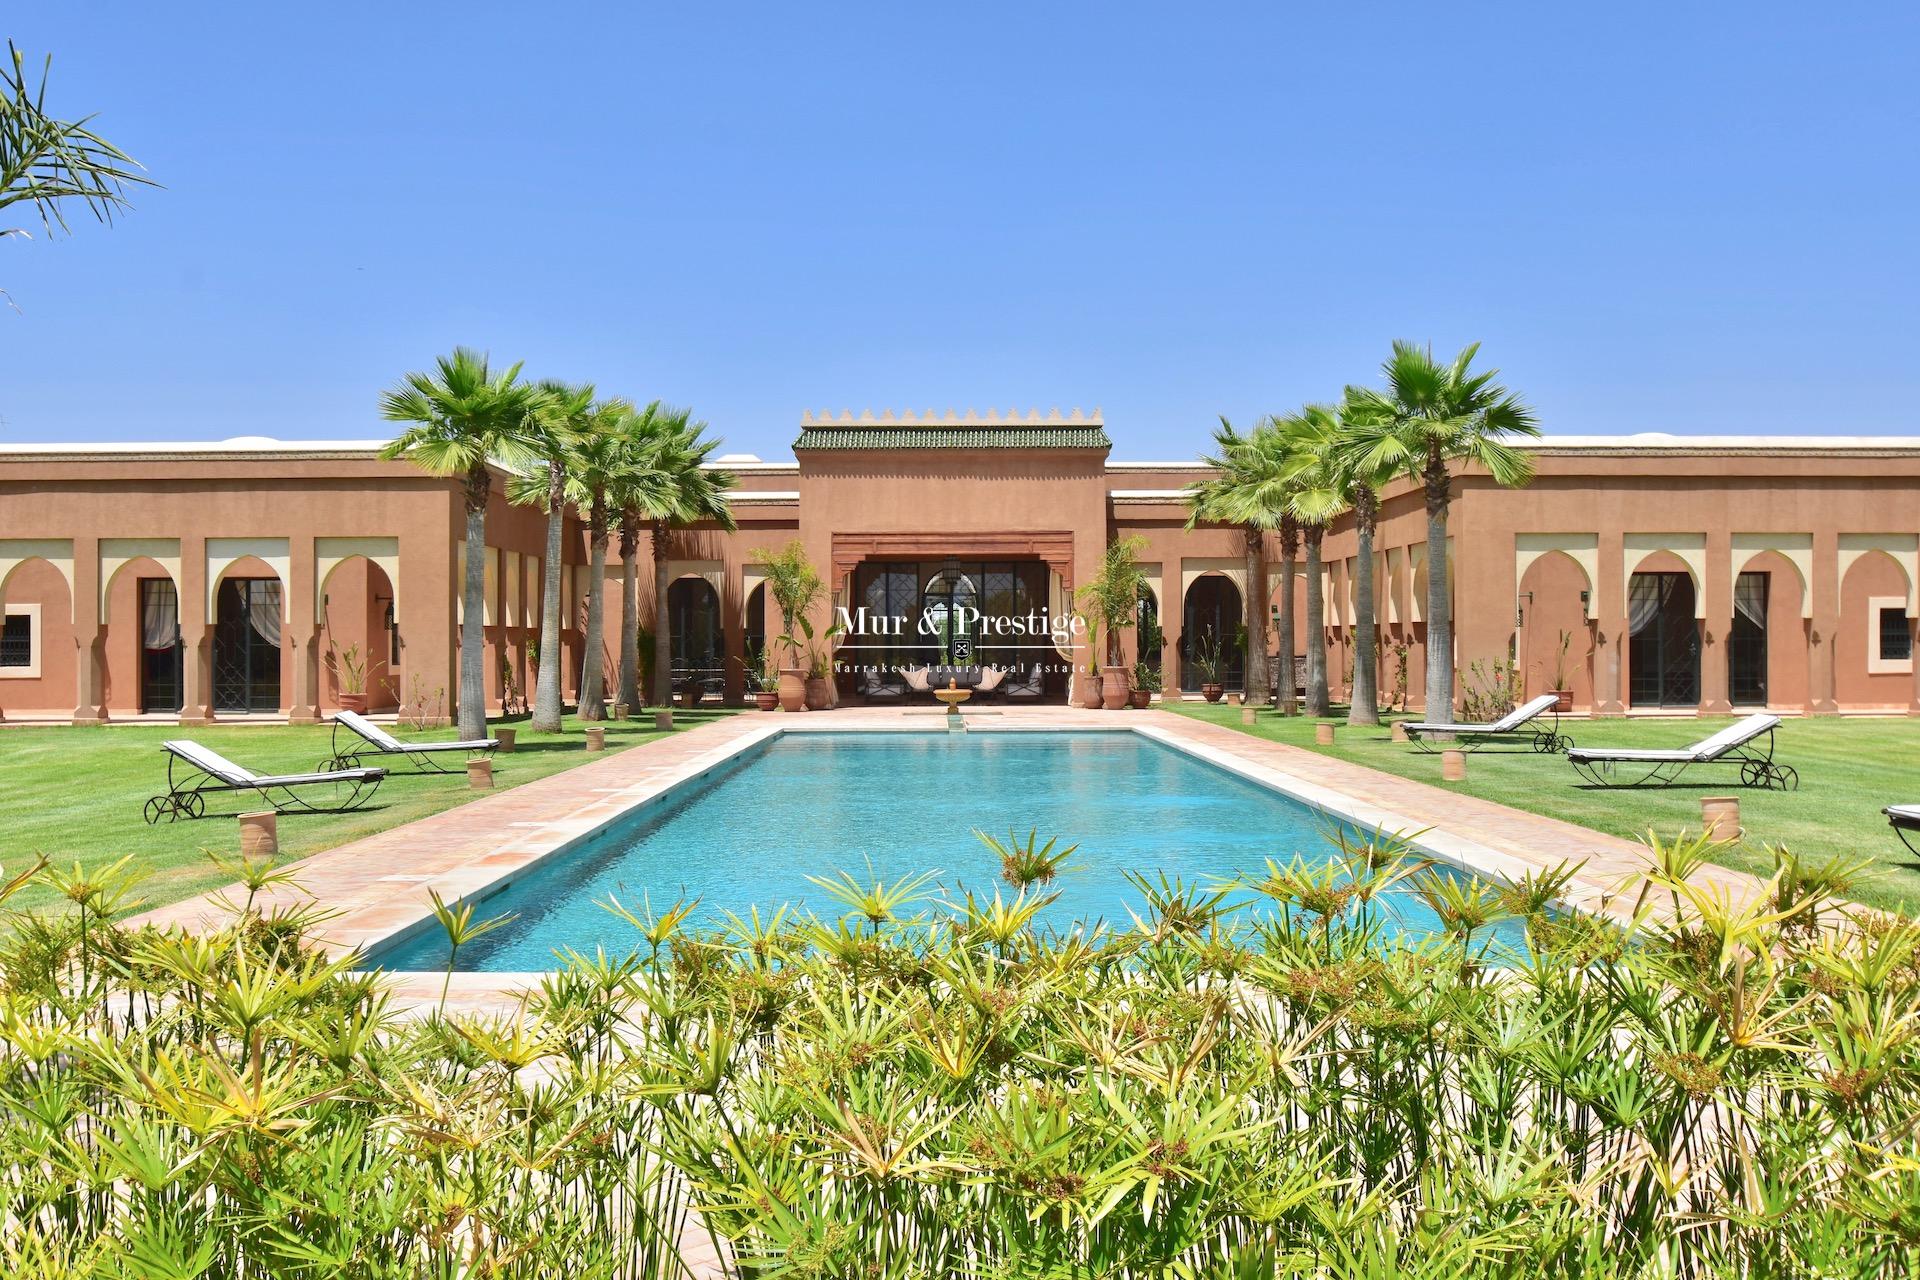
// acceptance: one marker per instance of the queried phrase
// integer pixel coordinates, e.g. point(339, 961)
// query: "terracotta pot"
point(354, 702)
point(819, 693)
point(766, 699)
point(1212, 692)
point(1323, 734)
point(1114, 690)
point(480, 773)
point(1142, 699)
point(1563, 700)
point(1453, 766)
point(793, 689)
point(505, 738)
point(690, 696)
point(260, 834)
point(1720, 817)
point(1090, 696)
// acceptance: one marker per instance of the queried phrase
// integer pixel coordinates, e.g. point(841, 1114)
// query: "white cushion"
point(1521, 714)
point(990, 679)
point(916, 678)
point(210, 762)
point(1910, 812)
point(368, 729)
point(1733, 735)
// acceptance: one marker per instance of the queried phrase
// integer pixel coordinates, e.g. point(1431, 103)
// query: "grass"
point(75, 794)
point(1849, 770)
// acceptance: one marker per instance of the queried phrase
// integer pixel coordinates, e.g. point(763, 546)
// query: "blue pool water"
point(888, 805)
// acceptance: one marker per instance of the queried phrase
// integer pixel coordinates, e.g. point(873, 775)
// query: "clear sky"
point(1671, 217)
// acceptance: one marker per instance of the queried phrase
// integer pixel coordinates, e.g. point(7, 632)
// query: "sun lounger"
point(194, 773)
point(1905, 820)
point(365, 738)
point(1737, 744)
point(1508, 728)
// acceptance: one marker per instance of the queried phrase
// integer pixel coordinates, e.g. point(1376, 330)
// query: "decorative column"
point(733, 630)
point(1825, 587)
point(1716, 625)
point(1610, 626)
point(302, 622)
point(89, 636)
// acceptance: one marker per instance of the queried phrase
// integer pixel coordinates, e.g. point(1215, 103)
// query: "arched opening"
point(247, 617)
point(1150, 642)
point(754, 632)
point(1873, 652)
point(1663, 658)
point(36, 639)
point(950, 609)
point(1767, 639)
point(1211, 625)
point(694, 637)
point(1555, 645)
point(360, 635)
point(144, 659)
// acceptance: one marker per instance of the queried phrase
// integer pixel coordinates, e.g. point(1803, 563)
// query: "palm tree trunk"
point(1317, 700)
point(1284, 641)
point(662, 625)
point(472, 708)
point(593, 679)
point(547, 703)
point(1439, 694)
point(1255, 688)
point(629, 612)
point(1364, 702)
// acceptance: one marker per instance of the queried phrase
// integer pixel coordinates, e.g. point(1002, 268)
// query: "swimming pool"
point(889, 805)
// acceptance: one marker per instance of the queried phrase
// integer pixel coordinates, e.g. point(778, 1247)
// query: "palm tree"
point(1363, 496)
point(46, 162)
point(465, 418)
point(600, 456)
point(684, 491)
point(1430, 416)
point(562, 416)
point(1303, 443)
point(1233, 495)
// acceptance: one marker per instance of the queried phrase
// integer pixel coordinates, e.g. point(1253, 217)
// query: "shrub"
point(925, 1088)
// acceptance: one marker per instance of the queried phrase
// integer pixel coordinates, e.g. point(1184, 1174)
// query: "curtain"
point(1750, 598)
point(1643, 601)
point(263, 608)
point(159, 617)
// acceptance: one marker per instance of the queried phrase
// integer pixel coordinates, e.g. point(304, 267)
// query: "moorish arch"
point(1767, 636)
point(1874, 645)
point(1665, 606)
point(1213, 616)
point(1555, 612)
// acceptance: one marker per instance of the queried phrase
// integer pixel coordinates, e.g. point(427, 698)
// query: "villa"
point(1677, 574)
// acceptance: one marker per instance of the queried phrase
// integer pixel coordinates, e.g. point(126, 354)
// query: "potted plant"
point(1562, 687)
point(1207, 664)
point(352, 670)
point(796, 587)
point(766, 681)
point(1090, 679)
point(819, 686)
point(1146, 683)
point(1112, 599)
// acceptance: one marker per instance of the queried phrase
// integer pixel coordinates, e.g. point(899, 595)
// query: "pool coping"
point(378, 886)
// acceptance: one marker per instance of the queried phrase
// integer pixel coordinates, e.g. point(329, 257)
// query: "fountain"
point(953, 696)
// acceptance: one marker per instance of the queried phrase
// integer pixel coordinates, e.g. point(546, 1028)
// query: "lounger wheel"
point(1551, 743)
point(1767, 775)
point(173, 808)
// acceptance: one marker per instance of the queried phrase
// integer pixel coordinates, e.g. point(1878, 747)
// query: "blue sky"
point(1684, 218)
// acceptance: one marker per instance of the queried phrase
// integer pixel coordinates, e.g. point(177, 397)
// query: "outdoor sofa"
point(194, 772)
point(1738, 744)
point(1508, 728)
point(365, 738)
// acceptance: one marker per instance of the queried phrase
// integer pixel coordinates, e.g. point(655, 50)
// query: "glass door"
point(1747, 642)
point(160, 669)
point(246, 645)
point(1664, 653)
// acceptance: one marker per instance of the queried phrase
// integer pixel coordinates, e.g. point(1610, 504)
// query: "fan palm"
point(1302, 444)
point(563, 416)
point(1430, 416)
point(1233, 495)
point(600, 456)
point(46, 162)
point(1363, 496)
point(465, 418)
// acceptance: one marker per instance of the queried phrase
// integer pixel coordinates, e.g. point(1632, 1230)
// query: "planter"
point(1142, 699)
point(354, 702)
point(1090, 696)
point(819, 693)
point(620, 711)
point(260, 834)
point(1453, 766)
point(1212, 692)
point(793, 689)
point(766, 699)
point(1720, 817)
point(691, 695)
point(596, 740)
point(505, 738)
point(1114, 693)
point(1563, 700)
point(1323, 735)
point(480, 773)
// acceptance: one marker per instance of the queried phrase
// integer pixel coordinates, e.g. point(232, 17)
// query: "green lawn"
point(1849, 770)
point(76, 793)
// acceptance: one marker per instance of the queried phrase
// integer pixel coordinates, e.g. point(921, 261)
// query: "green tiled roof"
point(1064, 437)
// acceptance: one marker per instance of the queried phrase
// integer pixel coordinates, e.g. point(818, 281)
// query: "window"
point(1896, 639)
point(16, 642)
point(1889, 636)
